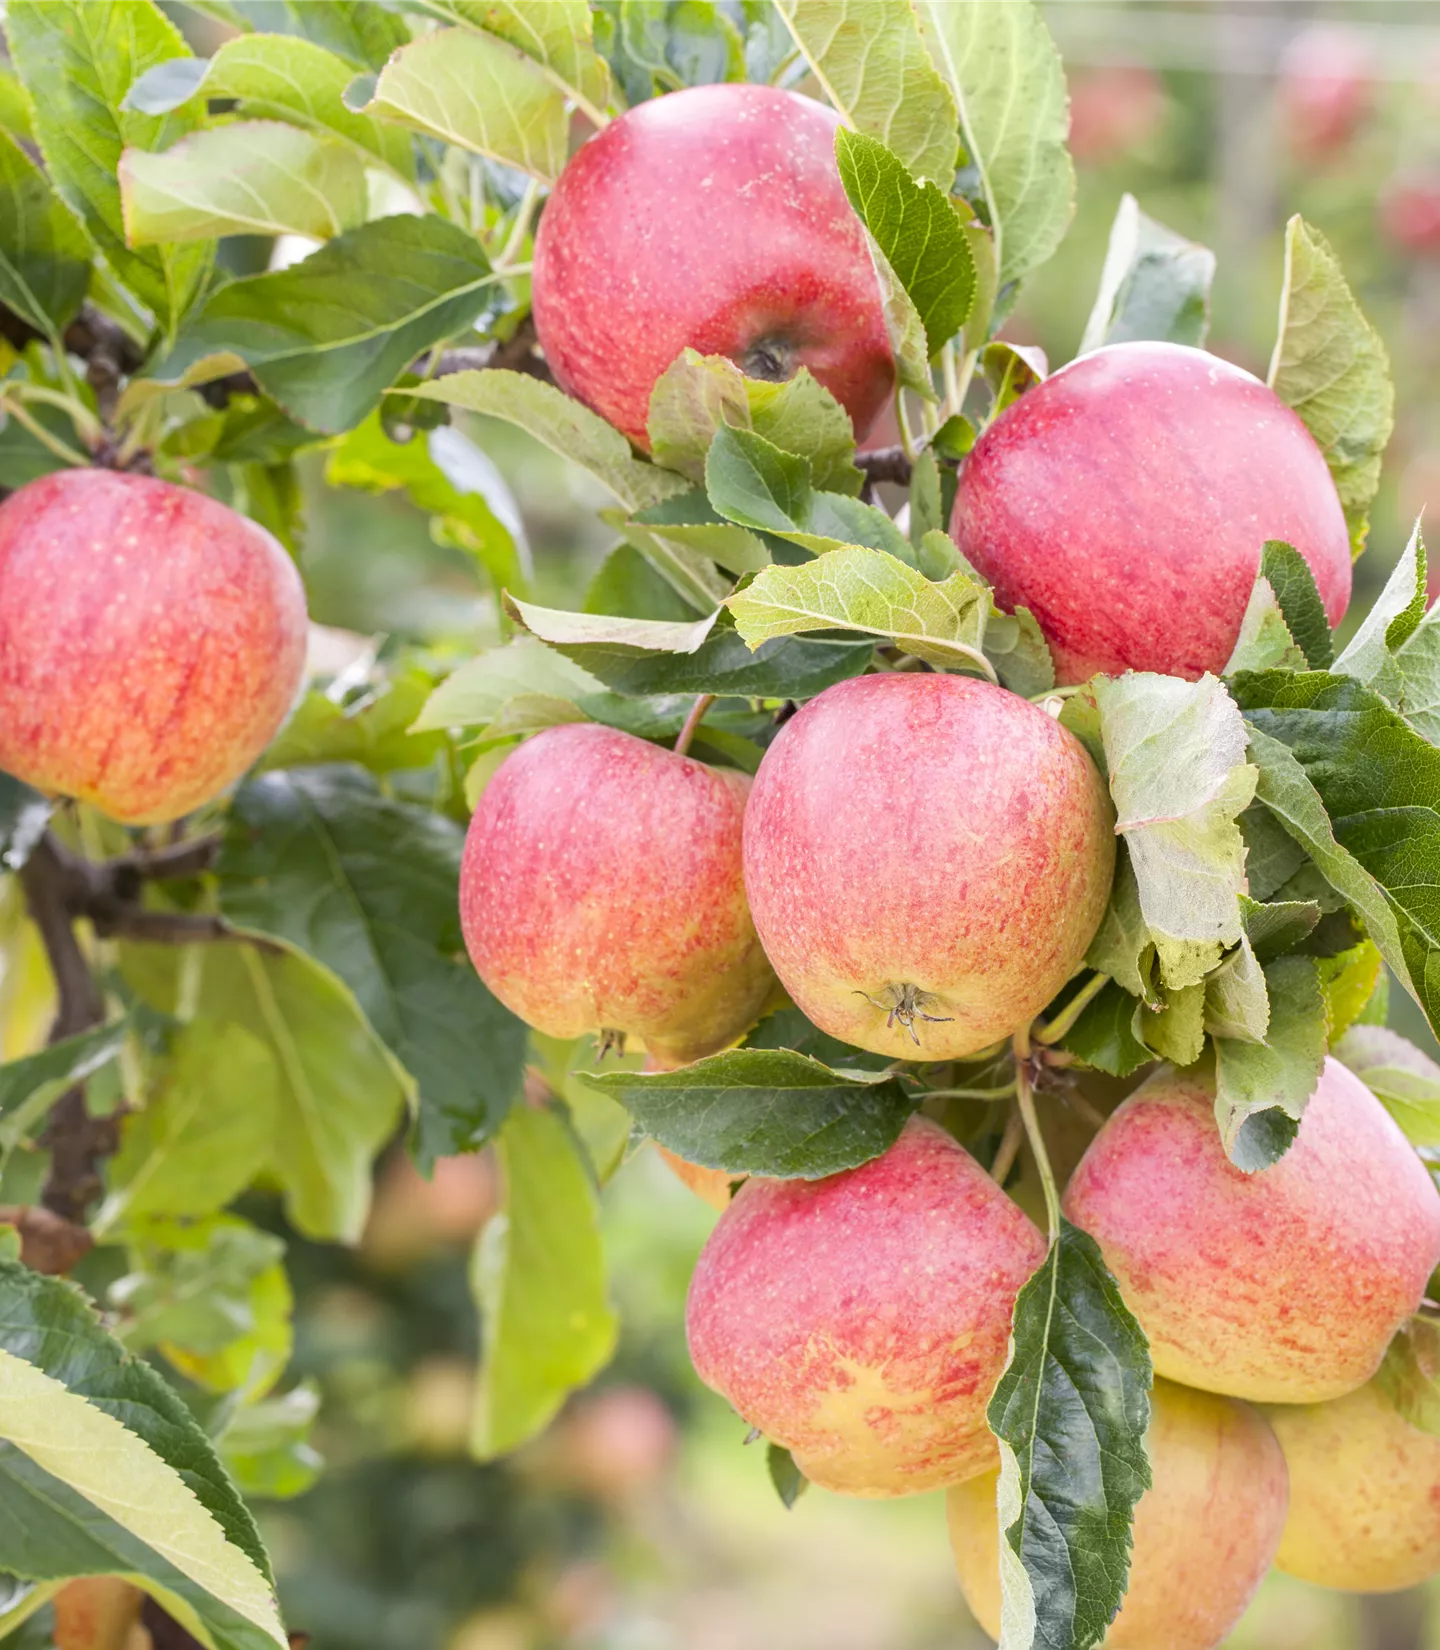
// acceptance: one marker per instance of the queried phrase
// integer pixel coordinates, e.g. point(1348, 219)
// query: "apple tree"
point(972, 861)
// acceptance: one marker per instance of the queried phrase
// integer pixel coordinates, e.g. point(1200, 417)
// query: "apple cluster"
point(920, 864)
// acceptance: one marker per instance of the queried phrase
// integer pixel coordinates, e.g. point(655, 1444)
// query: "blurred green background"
point(641, 1522)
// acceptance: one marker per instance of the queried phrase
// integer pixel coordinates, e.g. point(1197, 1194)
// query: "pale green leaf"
point(474, 90)
point(903, 326)
point(1396, 650)
point(1261, 1089)
point(44, 256)
point(870, 60)
point(1177, 1031)
point(1409, 1376)
point(1176, 755)
point(1122, 947)
point(1155, 284)
point(1002, 65)
point(249, 177)
point(475, 694)
point(1237, 1004)
point(538, 1275)
point(557, 34)
point(1331, 366)
point(1264, 642)
point(1402, 1077)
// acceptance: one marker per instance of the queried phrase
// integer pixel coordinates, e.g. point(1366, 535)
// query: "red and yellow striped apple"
point(712, 218)
point(151, 642)
point(927, 858)
point(1126, 502)
point(863, 1320)
point(601, 891)
point(1285, 1285)
point(1204, 1535)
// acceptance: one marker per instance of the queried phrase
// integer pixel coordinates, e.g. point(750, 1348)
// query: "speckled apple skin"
point(1282, 1286)
point(152, 641)
point(1204, 1533)
point(601, 889)
point(1364, 1494)
point(712, 218)
point(1126, 502)
point(933, 831)
point(863, 1320)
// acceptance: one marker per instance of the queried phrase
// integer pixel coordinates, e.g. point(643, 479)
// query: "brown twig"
point(703, 702)
point(885, 464)
point(48, 1243)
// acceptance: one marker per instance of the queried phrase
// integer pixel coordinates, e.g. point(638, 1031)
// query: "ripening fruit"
point(927, 858)
point(601, 891)
point(712, 218)
point(1364, 1494)
point(1126, 502)
point(711, 1186)
point(1204, 1532)
point(1325, 88)
point(863, 1320)
point(1285, 1285)
point(151, 642)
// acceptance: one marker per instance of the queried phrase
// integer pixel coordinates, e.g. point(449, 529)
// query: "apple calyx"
point(904, 1005)
point(771, 359)
point(610, 1042)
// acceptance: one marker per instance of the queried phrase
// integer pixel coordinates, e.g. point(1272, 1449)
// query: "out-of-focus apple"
point(1114, 109)
point(1324, 89)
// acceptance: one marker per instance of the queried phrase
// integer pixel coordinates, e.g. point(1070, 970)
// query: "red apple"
point(863, 1320)
point(151, 642)
point(1324, 88)
point(1283, 1286)
point(601, 890)
point(1364, 1494)
point(1126, 502)
point(712, 218)
point(1410, 212)
point(1114, 109)
point(1204, 1533)
point(927, 858)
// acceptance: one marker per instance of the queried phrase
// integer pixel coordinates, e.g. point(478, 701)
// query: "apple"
point(712, 218)
point(927, 858)
point(1283, 1286)
point(863, 1320)
point(151, 642)
point(1204, 1535)
point(601, 891)
point(1126, 502)
point(1410, 212)
point(1114, 109)
point(1364, 1494)
point(1324, 89)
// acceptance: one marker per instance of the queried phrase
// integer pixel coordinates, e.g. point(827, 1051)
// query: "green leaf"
point(476, 693)
point(327, 336)
point(1264, 642)
point(1288, 574)
point(321, 859)
point(1397, 647)
point(248, 177)
point(1331, 366)
point(1177, 1032)
point(1235, 997)
point(78, 59)
point(1348, 981)
point(627, 584)
point(1005, 72)
point(697, 394)
point(1409, 1376)
point(787, 1028)
point(751, 481)
point(764, 1111)
point(29, 1086)
point(373, 730)
point(672, 43)
point(1122, 947)
point(538, 1275)
point(476, 91)
point(1261, 1088)
point(687, 525)
point(557, 35)
point(358, 30)
point(903, 327)
point(1176, 755)
point(916, 228)
point(24, 814)
point(1070, 1413)
point(790, 1483)
point(1402, 1077)
point(15, 117)
point(564, 425)
point(1274, 929)
point(1105, 1035)
point(44, 257)
point(1379, 783)
point(104, 1471)
point(1010, 370)
point(266, 1446)
point(854, 588)
point(872, 66)
point(1155, 284)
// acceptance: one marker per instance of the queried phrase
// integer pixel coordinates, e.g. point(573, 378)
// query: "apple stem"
point(1025, 1098)
point(1065, 1020)
point(1003, 1092)
point(902, 418)
point(703, 702)
point(1008, 1149)
point(521, 226)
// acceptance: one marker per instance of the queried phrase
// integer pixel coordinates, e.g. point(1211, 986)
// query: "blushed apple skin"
point(1205, 1532)
point(927, 831)
point(712, 218)
point(1126, 502)
point(601, 890)
point(152, 641)
point(863, 1320)
point(1283, 1286)
point(1364, 1494)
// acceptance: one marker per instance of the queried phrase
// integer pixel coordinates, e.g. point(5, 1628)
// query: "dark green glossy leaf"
point(1261, 1089)
point(1294, 585)
point(788, 1028)
point(790, 1483)
point(754, 483)
point(1104, 1035)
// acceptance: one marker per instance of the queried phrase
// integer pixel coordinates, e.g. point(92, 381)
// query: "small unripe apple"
point(1126, 502)
point(927, 858)
point(863, 1320)
point(152, 641)
point(1285, 1285)
point(601, 891)
point(1204, 1532)
point(712, 218)
point(1364, 1494)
